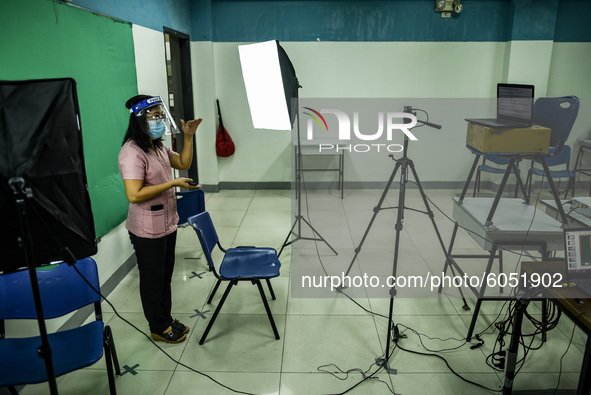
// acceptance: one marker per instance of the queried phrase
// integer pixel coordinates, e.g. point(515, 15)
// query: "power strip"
point(582, 205)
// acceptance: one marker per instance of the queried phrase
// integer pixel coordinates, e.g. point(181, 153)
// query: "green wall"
point(47, 39)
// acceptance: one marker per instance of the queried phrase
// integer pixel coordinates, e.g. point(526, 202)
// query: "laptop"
point(515, 107)
point(577, 250)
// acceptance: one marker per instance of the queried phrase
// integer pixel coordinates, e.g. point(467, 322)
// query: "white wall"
point(409, 70)
point(450, 72)
point(150, 61)
point(570, 75)
point(204, 94)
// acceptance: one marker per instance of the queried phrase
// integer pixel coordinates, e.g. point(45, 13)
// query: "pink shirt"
point(156, 217)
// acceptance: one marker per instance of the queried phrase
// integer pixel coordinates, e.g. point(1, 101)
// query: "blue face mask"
point(157, 129)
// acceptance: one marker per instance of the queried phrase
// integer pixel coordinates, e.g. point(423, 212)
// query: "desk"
point(516, 225)
point(565, 300)
point(310, 148)
point(511, 228)
point(513, 223)
point(573, 217)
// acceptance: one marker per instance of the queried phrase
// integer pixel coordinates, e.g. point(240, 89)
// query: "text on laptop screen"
point(515, 102)
point(578, 250)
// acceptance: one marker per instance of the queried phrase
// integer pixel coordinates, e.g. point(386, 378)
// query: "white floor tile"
point(322, 330)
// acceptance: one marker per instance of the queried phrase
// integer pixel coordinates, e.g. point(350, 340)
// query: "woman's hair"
point(134, 130)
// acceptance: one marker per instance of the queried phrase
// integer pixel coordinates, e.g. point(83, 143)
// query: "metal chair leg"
point(528, 182)
point(570, 185)
point(109, 361)
point(217, 310)
point(113, 351)
point(476, 183)
point(258, 283)
point(215, 289)
point(270, 289)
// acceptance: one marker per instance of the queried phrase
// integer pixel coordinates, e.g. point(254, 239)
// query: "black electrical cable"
point(570, 342)
point(572, 335)
point(449, 367)
point(420, 335)
point(552, 318)
point(152, 341)
point(521, 254)
point(363, 373)
point(499, 365)
point(133, 326)
point(369, 377)
point(379, 315)
point(365, 378)
point(396, 344)
point(502, 333)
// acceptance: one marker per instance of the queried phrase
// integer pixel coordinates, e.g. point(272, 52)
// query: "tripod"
point(21, 194)
point(299, 218)
point(403, 164)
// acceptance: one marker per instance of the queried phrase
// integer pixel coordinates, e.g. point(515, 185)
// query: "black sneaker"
point(179, 327)
point(170, 337)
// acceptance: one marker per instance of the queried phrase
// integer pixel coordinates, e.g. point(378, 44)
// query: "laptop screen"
point(578, 250)
point(515, 102)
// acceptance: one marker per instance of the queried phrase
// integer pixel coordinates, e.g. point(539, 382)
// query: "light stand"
point(299, 217)
point(44, 198)
point(21, 194)
point(403, 164)
point(272, 91)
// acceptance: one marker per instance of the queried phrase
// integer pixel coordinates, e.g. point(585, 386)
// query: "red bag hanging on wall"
point(224, 146)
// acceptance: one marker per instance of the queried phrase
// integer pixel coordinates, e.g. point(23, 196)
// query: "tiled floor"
point(320, 331)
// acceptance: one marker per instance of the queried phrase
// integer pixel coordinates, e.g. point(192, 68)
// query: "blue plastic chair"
point(558, 114)
point(562, 158)
point(62, 291)
point(251, 264)
point(484, 167)
point(189, 203)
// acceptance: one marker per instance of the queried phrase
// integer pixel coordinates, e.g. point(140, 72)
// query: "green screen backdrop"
point(48, 39)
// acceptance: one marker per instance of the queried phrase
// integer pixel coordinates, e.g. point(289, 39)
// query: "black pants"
point(155, 259)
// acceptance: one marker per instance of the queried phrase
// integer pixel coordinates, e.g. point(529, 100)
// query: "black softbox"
point(42, 165)
point(291, 84)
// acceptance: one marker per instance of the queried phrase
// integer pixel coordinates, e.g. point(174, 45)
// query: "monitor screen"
point(578, 250)
point(515, 102)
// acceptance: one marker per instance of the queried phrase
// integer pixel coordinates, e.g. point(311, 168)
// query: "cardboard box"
point(533, 139)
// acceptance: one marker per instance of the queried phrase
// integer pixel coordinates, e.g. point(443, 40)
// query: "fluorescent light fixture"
point(264, 84)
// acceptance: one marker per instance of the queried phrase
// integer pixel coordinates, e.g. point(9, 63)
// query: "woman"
point(145, 167)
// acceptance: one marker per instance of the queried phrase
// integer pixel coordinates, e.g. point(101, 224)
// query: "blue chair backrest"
point(562, 158)
point(558, 114)
point(208, 237)
point(496, 159)
point(61, 287)
point(189, 203)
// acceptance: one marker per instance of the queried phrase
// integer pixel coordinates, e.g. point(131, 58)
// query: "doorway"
point(180, 89)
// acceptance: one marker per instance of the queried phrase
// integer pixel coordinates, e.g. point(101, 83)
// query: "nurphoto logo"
point(393, 121)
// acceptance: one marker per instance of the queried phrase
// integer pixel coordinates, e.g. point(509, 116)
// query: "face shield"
point(154, 117)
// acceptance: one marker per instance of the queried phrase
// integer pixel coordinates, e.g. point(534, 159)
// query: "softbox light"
point(41, 143)
point(271, 85)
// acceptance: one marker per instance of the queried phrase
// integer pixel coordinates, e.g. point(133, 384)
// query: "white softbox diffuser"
point(271, 85)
